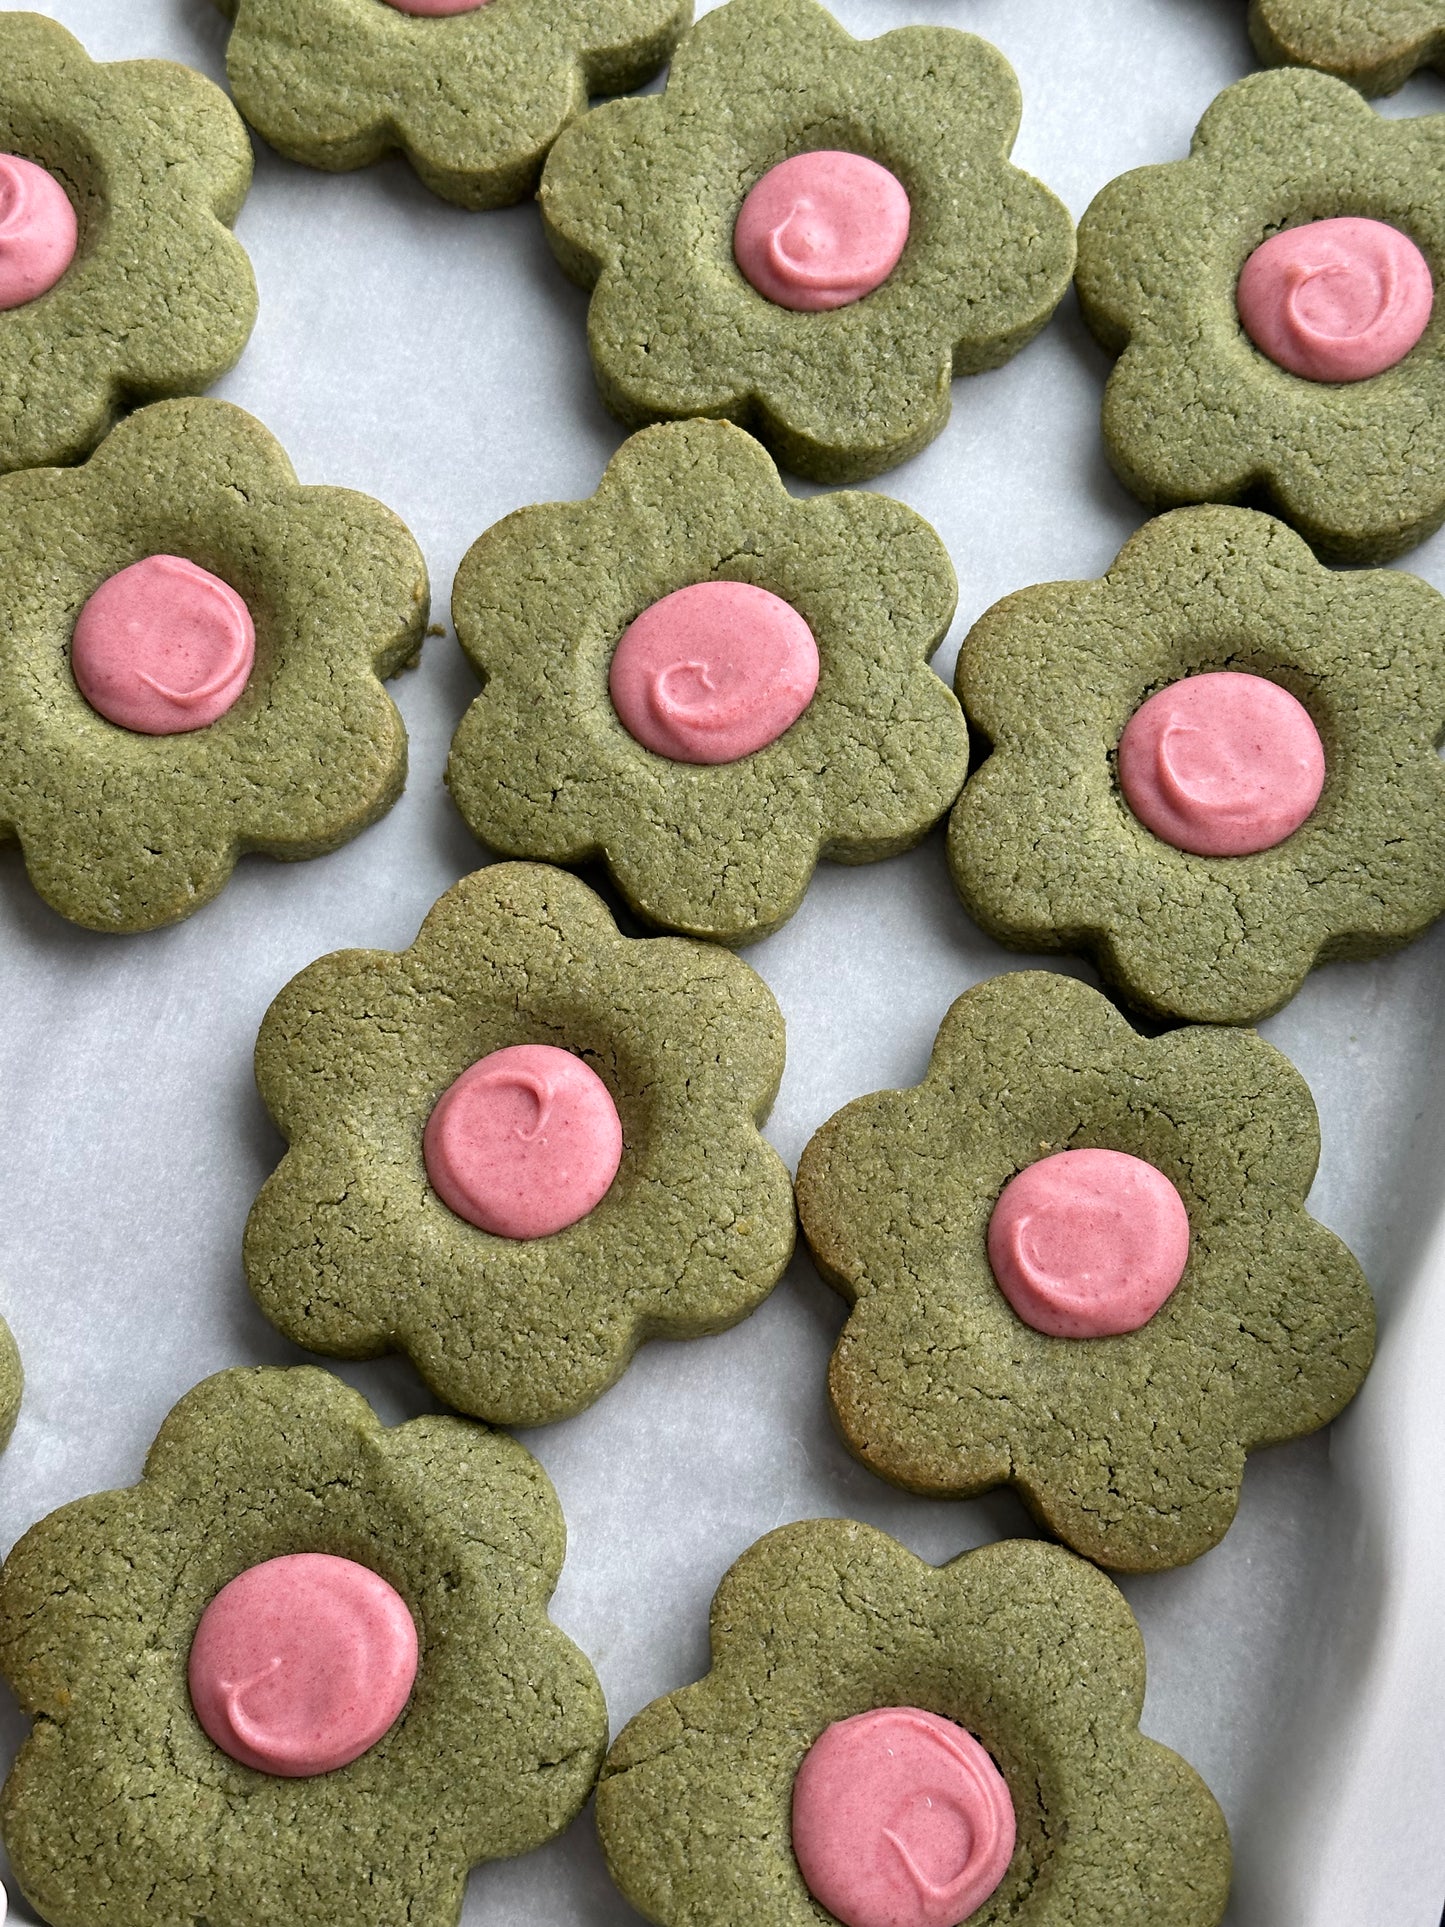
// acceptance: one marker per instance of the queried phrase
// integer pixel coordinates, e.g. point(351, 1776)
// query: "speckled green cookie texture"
point(474, 100)
point(542, 766)
point(120, 1812)
point(160, 298)
point(1031, 1650)
point(350, 1251)
point(1194, 412)
point(1131, 1449)
point(12, 1383)
point(1046, 853)
point(641, 198)
point(123, 831)
point(1374, 44)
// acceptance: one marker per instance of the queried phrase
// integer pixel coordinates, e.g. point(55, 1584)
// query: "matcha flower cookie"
point(12, 1385)
point(1278, 288)
point(808, 234)
point(1211, 769)
point(1374, 44)
point(302, 1671)
point(120, 281)
point(519, 1147)
point(473, 92)
point(881, 1741)
point(190, 652)
point(1081, 1265)
point(706, 682)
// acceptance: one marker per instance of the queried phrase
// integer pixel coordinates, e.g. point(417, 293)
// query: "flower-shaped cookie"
point(1047, 853)
point(123, 830)
point(1130, 1447)
point(1374, 44)
point(123, 1811)
point(1194, 411)
point(1031, 1651)
point(159, 298)
point(543, 765)
point(643, 197)
point(12, 1383)
point(350, 1248)
point(474, 100)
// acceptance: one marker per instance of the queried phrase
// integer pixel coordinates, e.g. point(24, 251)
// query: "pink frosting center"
point(302, 1663)
point(1221, 765)
point(1336, 300)
point(163, 647)
point(524, 1143)
point(901, 1819)
point(37, 231)
point(434, 9)
point(1088, 1244)
point(821, 230)
point(713, 672)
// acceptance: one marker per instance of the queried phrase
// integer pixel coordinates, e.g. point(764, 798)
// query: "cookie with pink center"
point(192, 649)
point(1080, 1264)
point(884, 1743)
point(1212, 769)
point(519, 1148)
point(1374, 44)
point(1280, 285)
point(301, 1671)
point(120, 280)
point(706, 682)
point(807, 234)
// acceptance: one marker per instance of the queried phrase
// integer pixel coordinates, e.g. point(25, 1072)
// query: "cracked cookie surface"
point(1374, 44)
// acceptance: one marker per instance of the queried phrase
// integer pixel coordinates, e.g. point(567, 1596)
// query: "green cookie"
point(160, 298)
point(12, 1383)
point(642, 196)
point(1046, 853)
point(1033, 1652)
point(1130, 1448)
point(1194, 412)
point(542, 765)
point(474, 100)
point(1374, 44)
point(121, 1812)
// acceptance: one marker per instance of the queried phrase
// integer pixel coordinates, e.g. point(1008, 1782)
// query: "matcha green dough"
point(641, 199)
point(1034, 1652)
point(350, 1251)
point(542, 766)
point(1046, 853)
point(120, 1812)
point(160, 298)
point(1374, 44)
point(12, 1383)
point(1131, 1449)
point(474, 100)
point(124, 831)
point(1193, 411)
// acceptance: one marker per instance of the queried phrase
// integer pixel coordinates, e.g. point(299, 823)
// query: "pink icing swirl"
point(1336, 300)
point(901, 1819)
point(821, 230)
point(1224, 764)
point(37, 231)
point(300, 1664)
point(525, 1142)
point(1088, 1244)
point(713, 672)
point(435, 9)
point(163, 647)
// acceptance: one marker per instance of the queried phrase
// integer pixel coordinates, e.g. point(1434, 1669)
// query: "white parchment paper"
point(436, 359)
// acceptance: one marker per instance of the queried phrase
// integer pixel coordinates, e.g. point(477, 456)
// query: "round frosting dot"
point(525, 1142)
point(821, 230)
point(1088, 1244)
point(302, 1663)
point(434, 9)
point(1224, 764)
point(901, 1819)
point(163, 647)
point(37, 231)
point(1336, 300)
point(713, 672)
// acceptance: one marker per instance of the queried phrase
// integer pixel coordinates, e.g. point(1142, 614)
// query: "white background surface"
point(436, 359)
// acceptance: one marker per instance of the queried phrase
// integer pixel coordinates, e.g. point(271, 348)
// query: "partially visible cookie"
point(12, 1388)
point(120, 280)
point(1374, 44)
